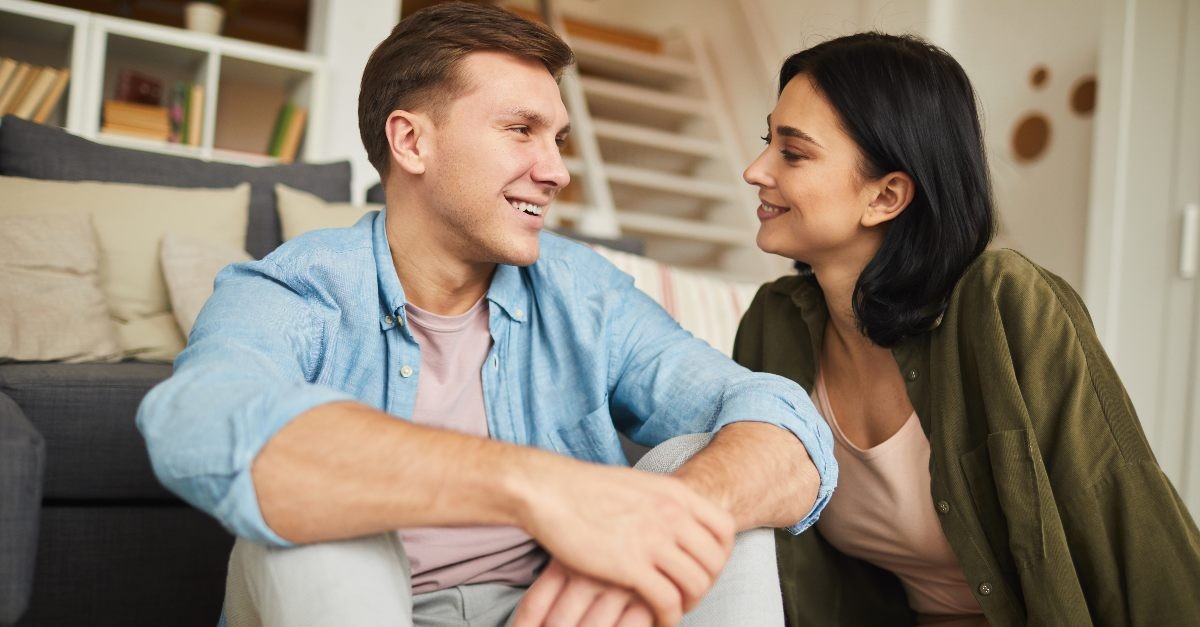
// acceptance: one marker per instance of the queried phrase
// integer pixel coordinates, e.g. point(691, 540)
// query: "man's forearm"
point(343, 470)
point(759, 473)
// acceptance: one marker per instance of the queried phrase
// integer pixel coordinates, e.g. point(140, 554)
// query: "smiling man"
point(414, 419)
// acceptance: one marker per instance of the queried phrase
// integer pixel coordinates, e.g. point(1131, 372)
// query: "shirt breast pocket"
point(592, 438)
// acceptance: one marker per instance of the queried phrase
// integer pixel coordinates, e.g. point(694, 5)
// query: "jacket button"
point(985, 589)
point(389, 321)
point(406, 371)
point(943, 507)
point(912, 375)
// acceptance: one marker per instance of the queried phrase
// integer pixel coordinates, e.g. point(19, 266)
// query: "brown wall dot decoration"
point(1031, 137)
point(1083, 96)
point(1039, 76)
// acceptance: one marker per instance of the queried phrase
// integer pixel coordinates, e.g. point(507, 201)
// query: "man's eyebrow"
point(533, 118)
point(791, 131)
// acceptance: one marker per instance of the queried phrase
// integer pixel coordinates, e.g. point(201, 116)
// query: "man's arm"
point(344, 469)
point(759, 473)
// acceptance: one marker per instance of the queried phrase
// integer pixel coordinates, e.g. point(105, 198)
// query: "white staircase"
point(653, 155)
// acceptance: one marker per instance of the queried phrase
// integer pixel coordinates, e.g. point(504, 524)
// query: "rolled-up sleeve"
point(248, 370)
point(668, 382)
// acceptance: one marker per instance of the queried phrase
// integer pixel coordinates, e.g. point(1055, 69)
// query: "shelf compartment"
point(250, 95)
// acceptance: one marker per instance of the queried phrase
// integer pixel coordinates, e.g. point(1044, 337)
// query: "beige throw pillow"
point(130, 221)
point(51, 306)
point(190, 265)
point(300, 212)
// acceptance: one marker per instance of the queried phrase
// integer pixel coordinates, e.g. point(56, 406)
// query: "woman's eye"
point(792, 157)
point(766, 138)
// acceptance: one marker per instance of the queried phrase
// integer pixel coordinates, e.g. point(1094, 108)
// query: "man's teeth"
point(529, 208)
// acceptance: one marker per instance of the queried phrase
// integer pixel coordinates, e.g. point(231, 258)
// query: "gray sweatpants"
point(367, 581)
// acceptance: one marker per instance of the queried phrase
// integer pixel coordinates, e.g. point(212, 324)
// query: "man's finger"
point(688, 575)
point(607, 608)
point(573, 600)
point(540, 597)
point(662, 596)
point(637, 614)
point(705, 548)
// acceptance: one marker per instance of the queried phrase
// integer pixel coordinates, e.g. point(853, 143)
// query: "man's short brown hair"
point(418, 65)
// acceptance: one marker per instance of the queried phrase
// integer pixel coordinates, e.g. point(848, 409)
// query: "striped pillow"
point(709, 307)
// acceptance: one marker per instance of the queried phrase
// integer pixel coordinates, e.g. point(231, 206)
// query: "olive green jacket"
point(1044, 483)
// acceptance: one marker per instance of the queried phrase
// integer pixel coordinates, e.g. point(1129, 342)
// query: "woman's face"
point(813, 196)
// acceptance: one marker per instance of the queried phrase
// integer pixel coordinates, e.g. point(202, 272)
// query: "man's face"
point(495, 165)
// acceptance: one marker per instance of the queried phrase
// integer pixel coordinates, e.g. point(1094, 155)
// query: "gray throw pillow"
point(43, 152)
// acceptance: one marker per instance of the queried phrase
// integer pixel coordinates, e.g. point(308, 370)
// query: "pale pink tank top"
point(450, 396)
point(882, 512)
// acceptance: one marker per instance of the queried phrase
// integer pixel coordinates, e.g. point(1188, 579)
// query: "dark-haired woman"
point(992, 467)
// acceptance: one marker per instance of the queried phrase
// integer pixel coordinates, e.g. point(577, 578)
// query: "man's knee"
point(305, 585)
point(670, 455)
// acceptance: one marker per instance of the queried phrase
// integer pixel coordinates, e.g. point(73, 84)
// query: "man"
point(406, 373)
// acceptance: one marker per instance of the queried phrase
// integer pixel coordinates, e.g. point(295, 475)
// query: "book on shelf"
point(53, 96)
point(15, 86)
point(195, 113)
point(30, 92)
point(150, 121)
point(289, 129)
point(7, 67)
point(135, 86)
point(177, 105)
point(39, 87)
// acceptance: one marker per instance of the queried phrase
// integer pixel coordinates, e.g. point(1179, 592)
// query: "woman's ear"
point(404, 133)
point(892, 194)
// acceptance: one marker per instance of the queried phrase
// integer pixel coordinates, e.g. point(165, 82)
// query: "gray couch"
point(87, 534)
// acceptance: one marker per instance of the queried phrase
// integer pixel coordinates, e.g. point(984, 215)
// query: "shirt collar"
point(391, 294)
point(508, 290)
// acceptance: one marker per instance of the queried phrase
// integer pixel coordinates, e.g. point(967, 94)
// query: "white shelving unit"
point(664, 157)
point(97, 47)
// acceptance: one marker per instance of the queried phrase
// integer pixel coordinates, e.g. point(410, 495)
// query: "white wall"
point(1042, 204)
point(345, 32)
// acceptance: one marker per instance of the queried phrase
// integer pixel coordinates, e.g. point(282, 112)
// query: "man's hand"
point(649, 534)
point(561, 596)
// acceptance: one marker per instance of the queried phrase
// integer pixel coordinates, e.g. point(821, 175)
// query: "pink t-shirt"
point(450, 396)
point(882, 512)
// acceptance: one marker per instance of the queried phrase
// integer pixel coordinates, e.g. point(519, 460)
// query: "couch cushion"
point(85, 413)
point(43, 152)
point(53, 308)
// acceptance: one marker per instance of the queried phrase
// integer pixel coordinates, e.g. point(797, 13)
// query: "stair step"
point(629, 64)
point(670, 183)
point(654, 138)
point(643, 97)
point(650, 224)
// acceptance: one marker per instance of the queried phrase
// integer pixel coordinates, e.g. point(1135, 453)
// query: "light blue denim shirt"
point(578, 353)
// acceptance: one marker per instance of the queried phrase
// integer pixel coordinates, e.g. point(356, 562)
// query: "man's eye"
point(560, 141)
point(524, 130)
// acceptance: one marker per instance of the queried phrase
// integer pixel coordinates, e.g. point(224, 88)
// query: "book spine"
point(195, 114)
point(14, 86)
point(295, 130)
point(52, 98)
point(36, 94)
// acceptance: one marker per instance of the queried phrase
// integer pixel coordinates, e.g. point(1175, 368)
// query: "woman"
point(992, 467)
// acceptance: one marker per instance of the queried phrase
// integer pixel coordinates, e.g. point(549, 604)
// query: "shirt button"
point(388, 320)
point(406, 371)
point(518, 314)
point(912, 375)
point(985, 589)
point(943, 507)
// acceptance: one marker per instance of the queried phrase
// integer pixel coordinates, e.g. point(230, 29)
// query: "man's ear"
point(405, 132)
point(892, 193)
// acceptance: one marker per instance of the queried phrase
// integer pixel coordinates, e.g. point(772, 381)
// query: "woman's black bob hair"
point(910, 108)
